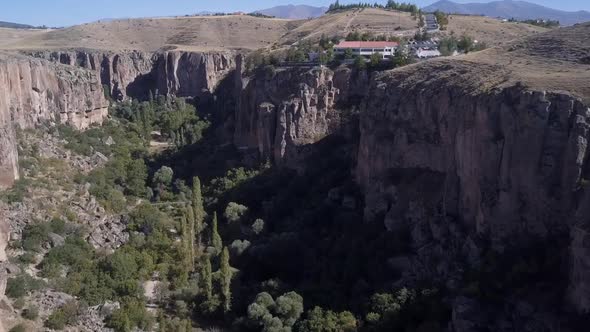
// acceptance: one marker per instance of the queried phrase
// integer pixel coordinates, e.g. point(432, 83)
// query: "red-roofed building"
point(367, 48)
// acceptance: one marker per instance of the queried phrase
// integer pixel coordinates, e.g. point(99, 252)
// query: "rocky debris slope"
point(105, 231)
point(34, 91)
point(51, 192)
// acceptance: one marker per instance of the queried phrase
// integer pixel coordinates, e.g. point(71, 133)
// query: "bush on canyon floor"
point(67, 314)
point(18, 328)
point(22, 285)
point(34, 235)
point(31, 313)
point(17, 193)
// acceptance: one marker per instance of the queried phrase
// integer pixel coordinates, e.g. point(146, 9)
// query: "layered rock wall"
point(34, 91)
point(134, 74)
point(281, 112)
point(451, 164)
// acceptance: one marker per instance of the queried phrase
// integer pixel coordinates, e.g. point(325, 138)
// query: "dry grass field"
point(490, 30)
point(151, 34)
point(376, 21)
point(558, 60)
point(14, 36)
point(212, 33)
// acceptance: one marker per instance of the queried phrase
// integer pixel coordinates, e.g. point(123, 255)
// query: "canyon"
point(465, 154)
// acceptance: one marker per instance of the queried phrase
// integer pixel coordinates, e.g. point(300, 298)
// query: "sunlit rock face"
point(136, 74)
point(33, 91)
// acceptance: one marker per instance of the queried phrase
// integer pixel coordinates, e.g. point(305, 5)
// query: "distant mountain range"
point(15, 25)
point(520, 10)
point(294, 11)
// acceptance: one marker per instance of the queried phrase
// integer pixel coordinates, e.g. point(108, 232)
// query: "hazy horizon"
point(69, 12)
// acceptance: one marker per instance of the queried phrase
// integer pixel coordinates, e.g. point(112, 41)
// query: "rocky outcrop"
point(34, 91)
point(282, 111)
point(134, 74)
point(451, 164)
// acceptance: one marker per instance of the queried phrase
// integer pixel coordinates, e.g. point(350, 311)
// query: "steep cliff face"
point(33, 91)
point(135, 74)
point(454, 166)
point(281, 112)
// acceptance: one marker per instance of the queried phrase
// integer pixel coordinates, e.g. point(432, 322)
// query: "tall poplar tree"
point(198, 209)
point(215, 237)
point(225, 280)
point(207, 277)
point(191, 229)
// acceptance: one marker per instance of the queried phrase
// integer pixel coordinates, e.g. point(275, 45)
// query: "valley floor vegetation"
point(253, 249)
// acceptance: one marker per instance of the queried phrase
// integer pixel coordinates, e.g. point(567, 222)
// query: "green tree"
point(225, 280)
point(18, 328)
point(296, 54)
point(376, 59)
point(190, 217)
point(31, 313)
point(147, 218)
point(234, 212)
point(186, 241)
point(206, 277)
point(239, 246)
point(447, 46)
point(319, 320)
point(348, 53)
point(199, 210)
point(258, 226)
point(360, 63)
point(441, 19)
point(137, 175)
point(164, 176)
point(465, 43)
point(279, 315)
point(401, 58)
point(323, 58)
point(215, 237)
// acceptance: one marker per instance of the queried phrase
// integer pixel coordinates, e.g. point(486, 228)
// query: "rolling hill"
point(510, 9)
point(294, 11)
point(12, 25)
point(244, 32)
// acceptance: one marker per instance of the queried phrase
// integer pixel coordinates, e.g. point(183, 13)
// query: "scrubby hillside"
point(200, 33)
point(215, 33)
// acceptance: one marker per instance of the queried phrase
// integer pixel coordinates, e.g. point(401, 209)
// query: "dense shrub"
point(18, 328)
point(34, 235)
point(279, 315)
point(132, 313)
point(17, 193)
point(67, 314)
point(22, 285)
point(31, 313)
point(319, 320)
point(234, 212)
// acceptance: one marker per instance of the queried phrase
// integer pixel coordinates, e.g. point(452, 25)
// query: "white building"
point(367, 48)
point(422, 53)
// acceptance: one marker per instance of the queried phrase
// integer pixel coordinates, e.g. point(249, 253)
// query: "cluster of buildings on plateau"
point(419, 49)
point(367, 48)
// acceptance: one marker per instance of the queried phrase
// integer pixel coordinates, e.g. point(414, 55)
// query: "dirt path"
point(349, 23)
point(150, 289)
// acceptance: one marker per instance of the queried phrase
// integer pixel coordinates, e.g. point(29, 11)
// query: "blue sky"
point(69, 12)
